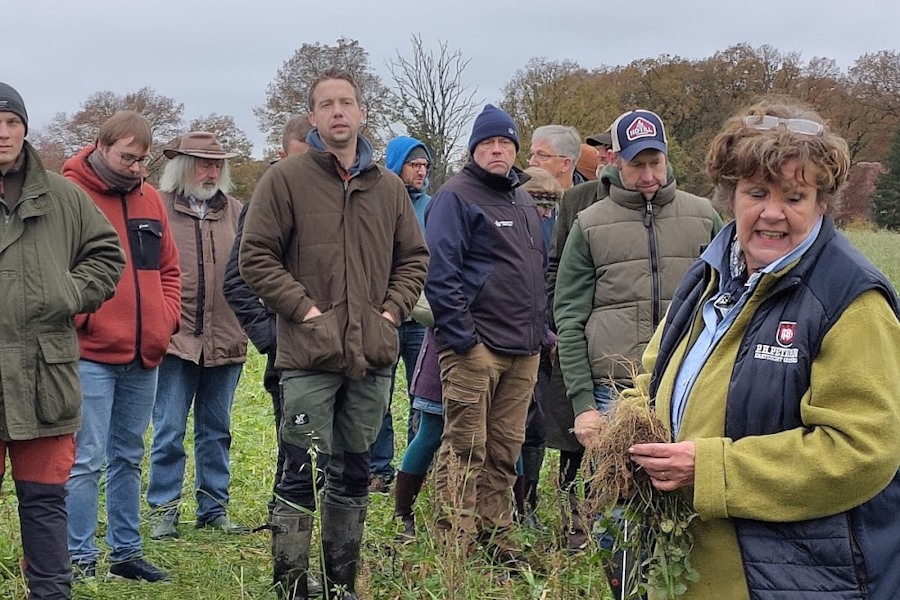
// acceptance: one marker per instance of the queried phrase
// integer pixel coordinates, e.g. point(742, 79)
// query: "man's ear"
point(612, 157)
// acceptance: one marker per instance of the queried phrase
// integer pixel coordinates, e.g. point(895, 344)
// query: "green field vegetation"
point(211, 565)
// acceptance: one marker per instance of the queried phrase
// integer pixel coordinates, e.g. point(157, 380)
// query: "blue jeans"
point(118, 401)
point(382, 451)
point(211, 390)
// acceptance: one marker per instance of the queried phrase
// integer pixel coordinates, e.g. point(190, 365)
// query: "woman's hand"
point(670, 466)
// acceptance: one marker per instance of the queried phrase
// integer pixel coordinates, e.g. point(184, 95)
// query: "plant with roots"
point(655, 528)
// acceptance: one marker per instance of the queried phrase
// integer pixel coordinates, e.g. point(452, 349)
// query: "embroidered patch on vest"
point(786, 331)
point(301, 419)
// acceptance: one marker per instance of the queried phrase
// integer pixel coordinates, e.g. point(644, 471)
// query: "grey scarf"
point(118, 183)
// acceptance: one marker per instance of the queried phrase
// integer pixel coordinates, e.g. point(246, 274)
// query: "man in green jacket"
point(332, 244)
point(620, 265)
point(59, 257)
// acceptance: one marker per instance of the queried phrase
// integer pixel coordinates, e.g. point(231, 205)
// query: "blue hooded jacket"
point(394, 157)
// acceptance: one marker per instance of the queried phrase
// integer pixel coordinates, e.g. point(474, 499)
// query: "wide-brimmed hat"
point(201, 144)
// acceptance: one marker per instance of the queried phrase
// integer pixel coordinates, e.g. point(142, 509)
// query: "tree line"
point(429, 99)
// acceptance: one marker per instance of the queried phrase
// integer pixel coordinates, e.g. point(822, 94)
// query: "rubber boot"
point(532, 460)
point(406, 488)
point(291, 535)
point(342, 530)
point(519, 492)
point(573, 524)
point(42, 517)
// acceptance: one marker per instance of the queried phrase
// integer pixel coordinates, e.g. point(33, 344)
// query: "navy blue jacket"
point(485, 281)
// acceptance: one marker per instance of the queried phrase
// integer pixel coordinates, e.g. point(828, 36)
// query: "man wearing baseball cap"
point(485, 285)
point(619, 267)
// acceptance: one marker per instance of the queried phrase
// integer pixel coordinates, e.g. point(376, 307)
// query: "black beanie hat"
point(11, 101)
point(493, 122)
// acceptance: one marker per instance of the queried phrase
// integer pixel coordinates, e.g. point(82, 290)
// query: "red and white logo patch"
point(640, 128)
point(786, 332)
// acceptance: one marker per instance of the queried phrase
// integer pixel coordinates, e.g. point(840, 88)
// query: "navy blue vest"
point(848, 556)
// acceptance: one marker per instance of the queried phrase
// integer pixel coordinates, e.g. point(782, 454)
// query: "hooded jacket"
point(137, 322)
point(618, 271)
point(344, 241)
point(59, 257)
point(486, 279)
point(395, 155)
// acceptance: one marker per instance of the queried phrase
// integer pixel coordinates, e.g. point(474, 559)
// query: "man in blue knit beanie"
point(485, 284)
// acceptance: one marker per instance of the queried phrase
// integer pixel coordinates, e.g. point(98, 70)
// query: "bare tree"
point(72, 133)
point(431, 101)
point(286, 95)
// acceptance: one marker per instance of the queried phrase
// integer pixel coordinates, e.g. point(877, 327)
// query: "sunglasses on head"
point(801, 126)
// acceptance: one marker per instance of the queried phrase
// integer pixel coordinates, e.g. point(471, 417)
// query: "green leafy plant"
point(655, 530)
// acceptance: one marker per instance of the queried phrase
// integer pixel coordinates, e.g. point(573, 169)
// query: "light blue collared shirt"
point(714, 326)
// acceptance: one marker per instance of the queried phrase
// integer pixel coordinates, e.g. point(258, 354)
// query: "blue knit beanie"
point(493, 122)
point(11, 101)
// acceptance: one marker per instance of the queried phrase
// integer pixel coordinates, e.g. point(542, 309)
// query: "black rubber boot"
point(519, 492)
point(406, 488)
point(42, 517)
point(291, 535)
point(342, 531)
point(532, 460)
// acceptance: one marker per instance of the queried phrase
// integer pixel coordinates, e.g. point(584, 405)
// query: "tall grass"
point(210, 565)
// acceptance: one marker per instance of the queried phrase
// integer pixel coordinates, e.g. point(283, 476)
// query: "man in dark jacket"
point(122, 345)
point(332, 244)
point(257, 319)
point(486, 289)
point(410, 160)
point(60, 257)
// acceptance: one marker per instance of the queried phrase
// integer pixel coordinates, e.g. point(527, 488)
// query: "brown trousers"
point(486, 397)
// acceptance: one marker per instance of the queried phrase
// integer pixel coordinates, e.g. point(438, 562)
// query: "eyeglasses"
point(544, 198)
point(801, 126)
point(544, 156)
point(417, 166)
point(129, 159)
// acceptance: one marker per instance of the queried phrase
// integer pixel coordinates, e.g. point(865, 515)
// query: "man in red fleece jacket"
point(121, 346)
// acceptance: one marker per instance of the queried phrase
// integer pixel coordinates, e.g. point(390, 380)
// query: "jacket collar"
point(514, 179)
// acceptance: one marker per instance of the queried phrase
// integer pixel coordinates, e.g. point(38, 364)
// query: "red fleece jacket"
point(138, 321)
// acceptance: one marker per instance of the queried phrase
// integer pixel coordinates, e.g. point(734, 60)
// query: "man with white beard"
point(205, 357)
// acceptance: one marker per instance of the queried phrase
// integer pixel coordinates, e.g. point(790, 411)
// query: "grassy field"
point(210, 565)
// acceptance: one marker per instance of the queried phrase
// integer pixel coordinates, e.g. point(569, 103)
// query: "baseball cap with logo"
point(638, 130)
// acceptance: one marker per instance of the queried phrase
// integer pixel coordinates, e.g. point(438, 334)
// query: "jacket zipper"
point(137, 289)
point(530, 240)
point(654, 263)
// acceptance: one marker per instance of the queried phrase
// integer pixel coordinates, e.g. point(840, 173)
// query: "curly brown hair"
point(741, 150)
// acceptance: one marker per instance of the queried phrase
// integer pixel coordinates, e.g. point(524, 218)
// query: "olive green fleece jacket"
point(59, 256)
point(617, 274)
point(845, 453)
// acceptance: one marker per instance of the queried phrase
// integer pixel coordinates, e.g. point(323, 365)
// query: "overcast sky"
point(218, 56)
